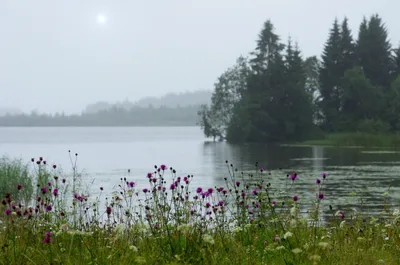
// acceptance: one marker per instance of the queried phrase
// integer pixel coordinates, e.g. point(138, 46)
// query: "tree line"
point(115, 116)
point(275, 94)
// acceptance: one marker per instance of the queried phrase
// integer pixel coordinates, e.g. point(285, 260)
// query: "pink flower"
point(163, 167)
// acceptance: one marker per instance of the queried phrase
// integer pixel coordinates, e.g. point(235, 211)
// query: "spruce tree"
point(374, 52)
point(330, 76)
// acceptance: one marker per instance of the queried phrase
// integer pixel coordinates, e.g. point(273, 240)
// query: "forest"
point(276, 95)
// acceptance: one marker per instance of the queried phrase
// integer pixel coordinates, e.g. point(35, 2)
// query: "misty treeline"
point(115, 116)
point(275, 94)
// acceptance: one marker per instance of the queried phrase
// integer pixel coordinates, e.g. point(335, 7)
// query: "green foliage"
point(14, 172)
point(354, 88)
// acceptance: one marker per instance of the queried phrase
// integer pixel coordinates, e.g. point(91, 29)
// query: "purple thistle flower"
point(199, 190)
point(295, 198)
point(293, 176)
point(49, 184)
point(238, 183)
point(273, 203)
point(19, 187)
point(210, 190)
point(172, 187)
point(321, 196)
point(64, 180)
point(131, 184)
point(324, 175)
point(49, 208)
point(145, 190)
point(8, 212)
point(208, 205)
point(254, 192)
point(55, 192)
point(318, 181)
point(149, 175)
point(261, 170)
point(108, 210)
point(163, 167)
point(44, 190)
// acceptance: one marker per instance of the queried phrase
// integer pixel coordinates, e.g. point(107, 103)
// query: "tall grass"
point(12, 173)
point(170, 222)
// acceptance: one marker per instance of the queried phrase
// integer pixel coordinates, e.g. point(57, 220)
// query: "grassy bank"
point(358, 139)
point(170, 222)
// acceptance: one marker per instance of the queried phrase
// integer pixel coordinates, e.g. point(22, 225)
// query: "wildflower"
point(321, 196)
point(293, 176)
point(210, 190)
point(324, 175)
point(19, 187)
point(54, 166)
point(261, 170)
point(101, 188)
point(297, 251)
point(145, 190)
point(254, 192)
point(64, 180)
point(172, 187)
point(287, 235)
point(8, 212)
point(276, 238)
point(318, 181)
point(48, 208)
point(108, 210)
point(340, 213)
point(295, 198)
point(199, 190)
point(47, 238)
point(208, 239)
point(44, 190)
point(273, 203)
point(163, 167)
point(238, 183)
point(280, 248)
point(133, 248)
point(323, 244)
point(132, 184)
point(55, 192)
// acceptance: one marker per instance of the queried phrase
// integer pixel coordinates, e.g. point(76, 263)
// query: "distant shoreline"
point(91, 126)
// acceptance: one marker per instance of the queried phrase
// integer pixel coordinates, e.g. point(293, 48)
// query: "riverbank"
point(167, 221)
point(357, 139)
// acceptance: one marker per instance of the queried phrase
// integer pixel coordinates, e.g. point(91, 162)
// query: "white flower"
point(208, 239)
point(133, 248)
point(280, 248)
point(297, 250)
point(323, 244)
point(342, 224)
point(287, 235)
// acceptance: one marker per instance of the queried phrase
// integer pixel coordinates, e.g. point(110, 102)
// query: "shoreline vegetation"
point(356, 139)
point(52, 220)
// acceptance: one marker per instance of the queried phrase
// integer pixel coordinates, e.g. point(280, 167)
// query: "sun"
point(101, 19)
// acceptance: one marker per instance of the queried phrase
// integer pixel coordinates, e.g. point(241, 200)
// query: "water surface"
point(106, 154)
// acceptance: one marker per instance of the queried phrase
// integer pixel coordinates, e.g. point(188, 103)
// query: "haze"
point(62, 55)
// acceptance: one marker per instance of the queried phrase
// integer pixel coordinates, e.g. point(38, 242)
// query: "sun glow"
point(101, 19)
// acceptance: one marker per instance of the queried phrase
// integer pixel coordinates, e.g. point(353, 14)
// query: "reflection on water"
point(106, 154)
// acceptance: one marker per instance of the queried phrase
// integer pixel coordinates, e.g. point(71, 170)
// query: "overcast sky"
point(59, 55)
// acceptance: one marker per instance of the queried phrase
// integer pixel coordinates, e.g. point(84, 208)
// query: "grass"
point(170, 222)
point(358, 139)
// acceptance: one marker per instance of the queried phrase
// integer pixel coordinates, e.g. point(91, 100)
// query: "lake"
point(106, 154)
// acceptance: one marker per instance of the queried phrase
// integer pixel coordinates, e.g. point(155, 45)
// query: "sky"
point(62, 55)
